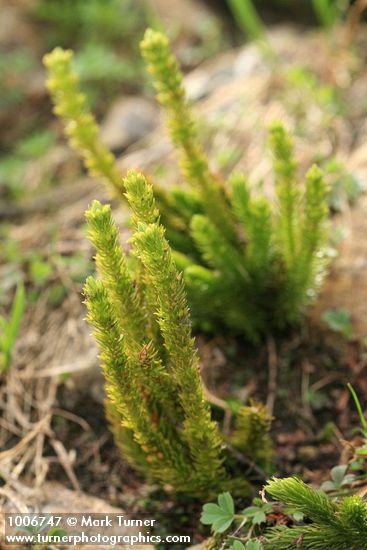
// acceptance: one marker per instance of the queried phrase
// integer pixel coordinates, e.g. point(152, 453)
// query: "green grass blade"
point(358, 406)
point(326, 12)
point(11, 329)
point(247, 18)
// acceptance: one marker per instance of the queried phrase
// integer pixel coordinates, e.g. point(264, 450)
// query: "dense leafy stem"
point(156, 403)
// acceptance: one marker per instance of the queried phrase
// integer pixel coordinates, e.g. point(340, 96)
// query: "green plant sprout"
point(358, 464)
point(308, 519)
point(156, 404)
point(80, 125)
point(358, 405)
point(9, 328)
point(333, 524)
point(247, 18)
point(330, 12)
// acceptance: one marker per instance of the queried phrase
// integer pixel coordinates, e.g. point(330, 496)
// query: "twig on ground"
point(247, 462)
point(66, 462)
point(353, 20)
point(273, 374)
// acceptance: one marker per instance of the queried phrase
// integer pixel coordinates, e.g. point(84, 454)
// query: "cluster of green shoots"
point(248, 265)
point(156, 403)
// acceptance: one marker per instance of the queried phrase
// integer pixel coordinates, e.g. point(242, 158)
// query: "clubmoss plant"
point(249, 264)
point(334, 524)
point(252, 431)
point(141, 320)
point(168, 81)
point(80, 125)
point(305, 518)
point(281, 256)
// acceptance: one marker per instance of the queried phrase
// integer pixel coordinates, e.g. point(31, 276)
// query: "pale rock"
point(128, 120)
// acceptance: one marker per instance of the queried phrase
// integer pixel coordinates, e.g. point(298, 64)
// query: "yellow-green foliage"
point(330, 523)
point(267, 280)
point(251, 433)
point(248, 264)
point(167, 76)
point(151, 397)
point(80, 125)
point(156, 404)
